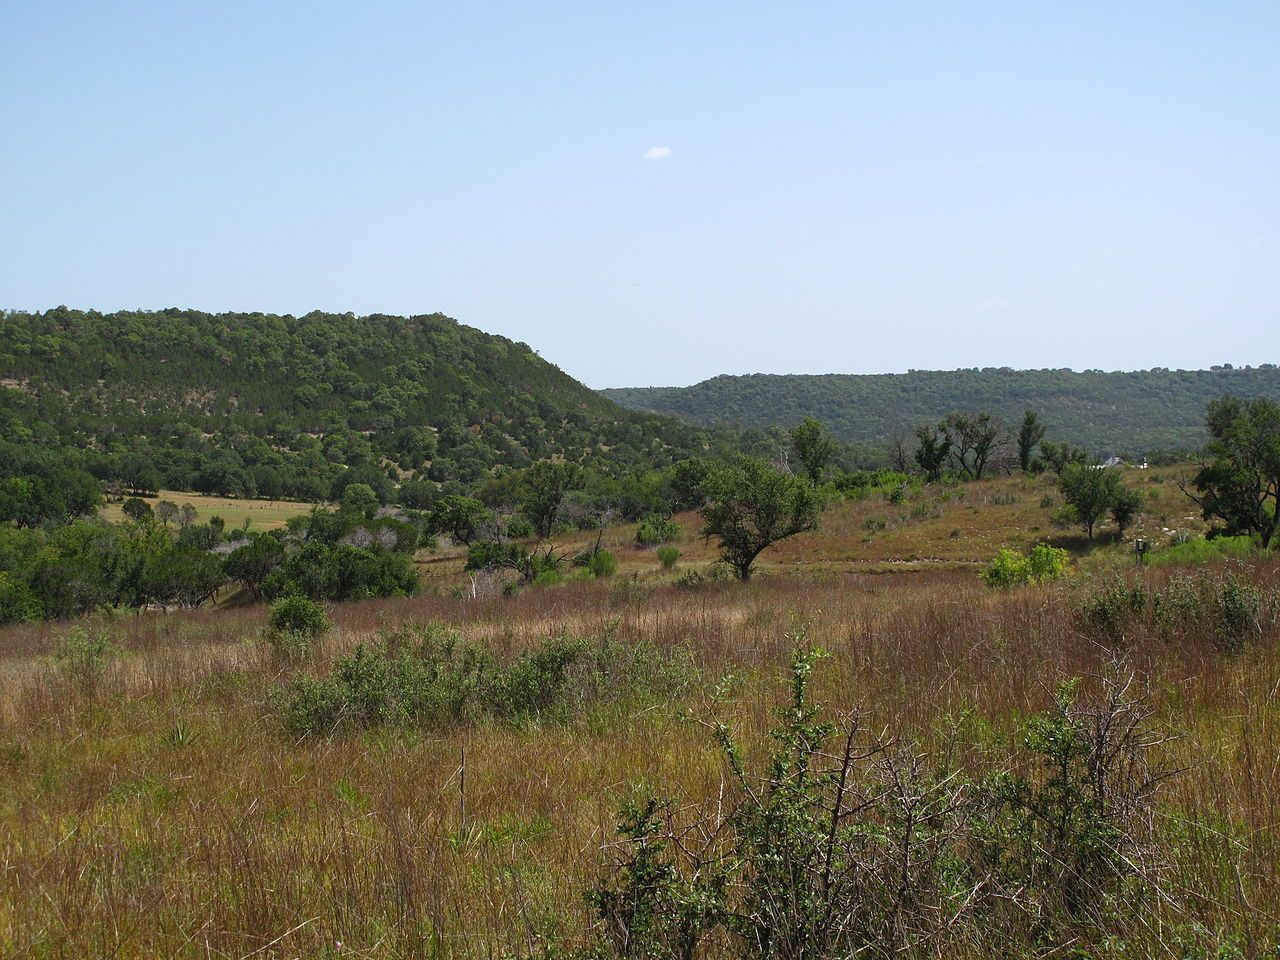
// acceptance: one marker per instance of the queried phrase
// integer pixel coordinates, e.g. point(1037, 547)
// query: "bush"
point(1112, 609)
point(837, 844)
point(1013, 569)
point(655, 529)
point(668, 556)
point(298, 615)
point(293, 626)
point(602, 563)
point(1237, 613)
point(83, 656)
point(429, 676)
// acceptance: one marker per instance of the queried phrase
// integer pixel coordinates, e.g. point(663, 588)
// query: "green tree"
point(813, 447)
point(462, 518)
point(138, 510)
point(1090, 490)
point(252, 563)
point(1240, 484)
point(750, 506)
point(976, 438)
point(933, 447)
point(1125, 508)
point(542, 490)
point(1029, 436)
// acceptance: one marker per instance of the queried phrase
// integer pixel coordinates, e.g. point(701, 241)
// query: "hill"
point(1126, 413)
point(253, 404)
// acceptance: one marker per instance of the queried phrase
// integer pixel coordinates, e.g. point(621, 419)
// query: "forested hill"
point(1127, 413)
point(257, 404)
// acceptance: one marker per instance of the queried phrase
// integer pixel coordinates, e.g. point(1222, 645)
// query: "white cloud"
point(658, 153)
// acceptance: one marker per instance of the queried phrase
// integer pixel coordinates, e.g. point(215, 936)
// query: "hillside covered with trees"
point(279, 406)
point(1130, 414)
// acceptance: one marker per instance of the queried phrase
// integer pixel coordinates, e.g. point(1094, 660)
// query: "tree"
point(1059, 455)
point(975, 439)
point(750, 506)
point(542, 490)
point(138, 510)
point(1090, 490)
point(167, 511)
point(461, 518)
point(1240, 485)
point(252, 563)
point(934, 444)
point(359, 498)
point(1029, 436)
point(1125, 507)
point(813, 447)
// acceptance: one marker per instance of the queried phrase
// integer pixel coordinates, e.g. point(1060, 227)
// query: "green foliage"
point(855, 848)
point(264, 405)
point(750, 506)
point(83, 655)
point(324, 571)
point(1126, 505)
point(428, 676)
point(1030, 433)
point(1240, 486)
point(464, 519)
point(542, 490)
point(137, 510)
point(655, 529)
point(299, 615)
point(813, 447)
point(1201, 550)
point(1090, 491)
point(1128, 412)
point(602, 563)
point(1113, 608)
point(1040, 565)
point(668, 556)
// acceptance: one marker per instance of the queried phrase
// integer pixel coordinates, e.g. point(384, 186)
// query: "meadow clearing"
point(163, 796)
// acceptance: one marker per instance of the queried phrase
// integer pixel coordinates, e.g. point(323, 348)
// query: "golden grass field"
point(164, 811)
point(259, 514)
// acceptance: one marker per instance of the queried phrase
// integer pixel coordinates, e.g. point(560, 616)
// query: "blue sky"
point(847, 187)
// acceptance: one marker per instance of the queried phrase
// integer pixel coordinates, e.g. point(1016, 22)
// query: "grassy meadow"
point(257, 514)
point(154, 802)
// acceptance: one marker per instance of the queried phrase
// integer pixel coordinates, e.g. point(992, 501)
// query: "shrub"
point(655, 529)
point(1112, 609)
point(1013, 569)
point(293, 626)
point(1237, 612)
point(298, 615)
point(429, 676)
point(602, 563)
point(83, 655)
point(856, 848)
point(668, 556)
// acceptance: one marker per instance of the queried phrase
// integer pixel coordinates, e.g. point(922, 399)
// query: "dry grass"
point(260, 514)
point(165, 813)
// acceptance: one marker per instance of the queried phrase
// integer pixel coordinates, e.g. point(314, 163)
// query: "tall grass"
point(167, 809)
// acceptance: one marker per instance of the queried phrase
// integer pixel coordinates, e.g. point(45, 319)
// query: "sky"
point(657, 193)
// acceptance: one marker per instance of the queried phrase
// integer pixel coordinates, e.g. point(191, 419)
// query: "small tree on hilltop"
point(813, 447)
point(1090, 490)
point(750, 505)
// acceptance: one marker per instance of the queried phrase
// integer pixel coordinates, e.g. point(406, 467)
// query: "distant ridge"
point(1125, 412)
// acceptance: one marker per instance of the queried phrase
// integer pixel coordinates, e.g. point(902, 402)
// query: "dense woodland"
point(1130, 414)
point(281, 406)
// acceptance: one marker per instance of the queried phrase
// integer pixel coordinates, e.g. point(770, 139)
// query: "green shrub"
point(1112, 609)
point(837, 844)
point(83, 655)
point(602, 563)
point(655, 529)
point(1237, 612)
point(1012, 569)
point(1201, 550)
point(298, 615)
point(429, 676)
point(668, 556)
